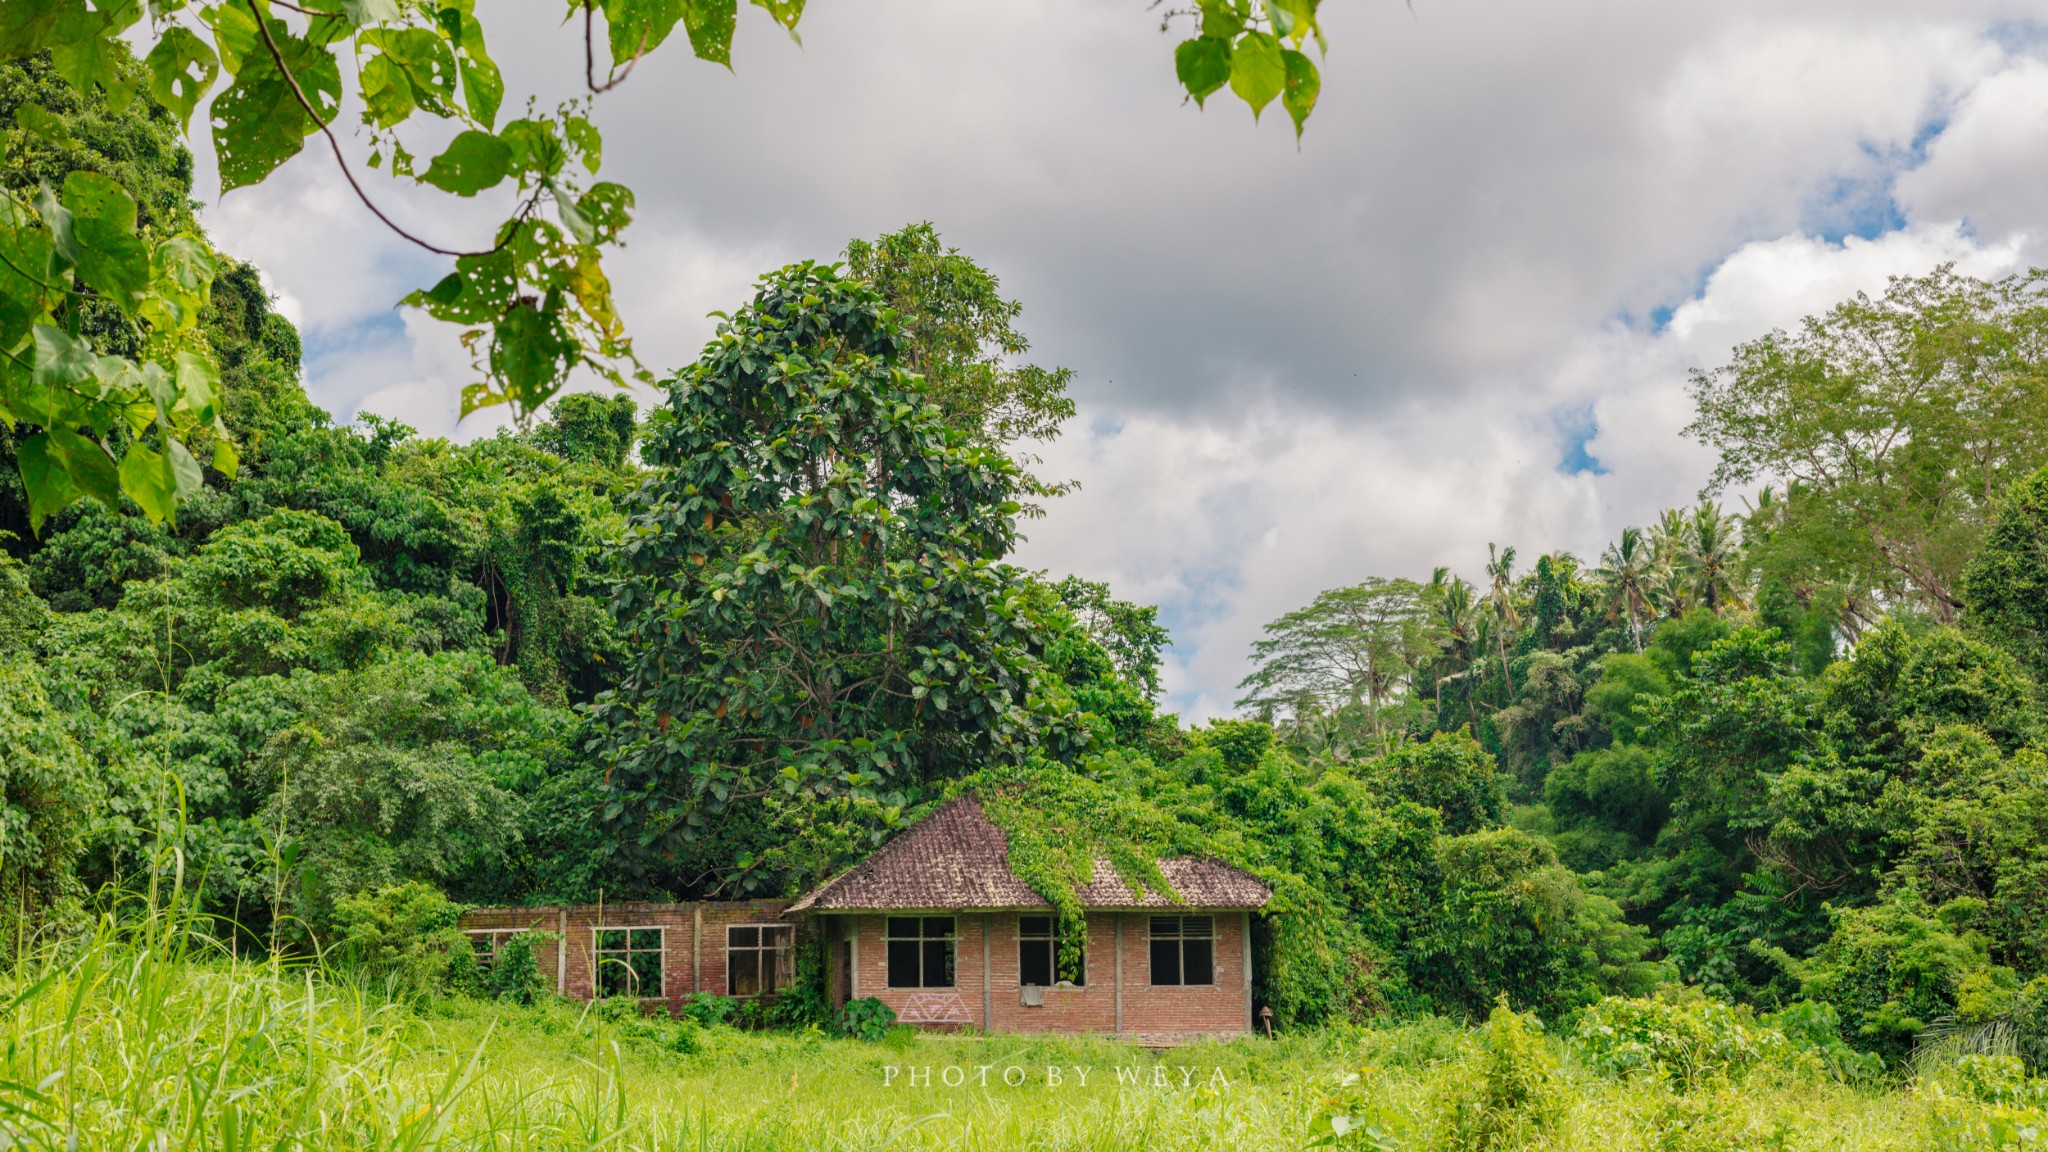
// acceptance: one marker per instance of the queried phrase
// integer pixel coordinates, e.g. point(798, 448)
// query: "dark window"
point(1183, 950)
point(629, 962)
point(920, 951)
point(757, 958)
point(1038, 952)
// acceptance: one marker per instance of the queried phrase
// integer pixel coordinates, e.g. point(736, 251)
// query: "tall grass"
point(150, 1037)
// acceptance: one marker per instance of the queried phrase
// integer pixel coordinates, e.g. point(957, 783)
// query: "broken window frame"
point(608, 964)
point(781, 966)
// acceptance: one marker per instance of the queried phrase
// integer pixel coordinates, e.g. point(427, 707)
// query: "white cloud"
point(1295, 367)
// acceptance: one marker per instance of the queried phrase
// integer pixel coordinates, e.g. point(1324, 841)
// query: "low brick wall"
point(693, 943)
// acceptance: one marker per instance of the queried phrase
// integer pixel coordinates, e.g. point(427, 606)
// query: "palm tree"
point(1713, 549)
point(1667, 587)
point(1500, 569)
point(1628, 570)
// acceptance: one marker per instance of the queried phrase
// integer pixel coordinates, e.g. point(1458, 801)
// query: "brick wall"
point(693, 939)
point(1162, 1014)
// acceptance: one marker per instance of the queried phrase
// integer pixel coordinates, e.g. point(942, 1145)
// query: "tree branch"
point(277, 57)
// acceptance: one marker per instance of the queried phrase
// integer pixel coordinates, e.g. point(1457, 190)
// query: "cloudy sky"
point(1462, 311)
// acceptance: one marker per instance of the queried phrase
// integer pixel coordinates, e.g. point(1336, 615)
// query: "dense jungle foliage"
point(1789, 759)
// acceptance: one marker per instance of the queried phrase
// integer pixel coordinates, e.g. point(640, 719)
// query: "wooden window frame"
point(785, 957)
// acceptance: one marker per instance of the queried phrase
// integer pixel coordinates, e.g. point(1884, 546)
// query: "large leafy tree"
point(1355, 647)
point(960, 334)
point(1895, 422)
point(812, 593)
point(2007, 582)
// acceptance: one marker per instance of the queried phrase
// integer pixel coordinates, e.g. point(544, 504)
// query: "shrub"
point(1507, 1092)
point(515, 973)
point(1892, 970)
point(406, 935)
point(710, 1009)
point(866, 1019)
point(1684, 1039)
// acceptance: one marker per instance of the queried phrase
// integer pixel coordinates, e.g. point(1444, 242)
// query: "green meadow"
point(144, 1040)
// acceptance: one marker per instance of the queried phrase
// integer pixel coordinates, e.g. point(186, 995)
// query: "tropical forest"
point(1732, 834)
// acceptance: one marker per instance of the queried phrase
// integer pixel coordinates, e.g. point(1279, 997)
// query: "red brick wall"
point(1156, 1014)
point(690, 962)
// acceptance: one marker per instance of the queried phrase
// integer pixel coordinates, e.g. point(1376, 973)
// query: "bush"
point(867, 1019)
point(1684, 1039)
point(1507, 1092)
point(710, 1009)
point(515, 974)
point(406, 936)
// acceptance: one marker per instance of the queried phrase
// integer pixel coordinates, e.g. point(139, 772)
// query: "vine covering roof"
point(958, 858)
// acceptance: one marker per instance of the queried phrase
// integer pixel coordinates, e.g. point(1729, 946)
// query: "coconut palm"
point(1628, 574)
point(1500, 569)
point(1712, 553)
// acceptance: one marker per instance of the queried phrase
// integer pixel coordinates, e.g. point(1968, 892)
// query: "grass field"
point(126, 1044)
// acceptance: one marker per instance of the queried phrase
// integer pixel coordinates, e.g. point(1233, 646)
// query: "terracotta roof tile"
point(957, 858)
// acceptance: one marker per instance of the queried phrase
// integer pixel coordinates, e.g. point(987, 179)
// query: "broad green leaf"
point(181, 70)
point(45, 479)
point(198, 385)
point(27, 25)
point(387, 94)
point(478, 290)
point(181, 275)
point(226, 460)
point(1293, 18)
point(1257, 73)
point(43, 124)
point(472, 162)
point(25, 295)
point(63, 248)
point(1221, 20)
point(608, 207)
point(86, 49)
point(90, 470)
point(1203, 64)
point(259, 123)
point(483, 89)
point(60, 363)
point(428, 62)
point(106, 251)
point(185, 470)
point(710, 24)
point(530, 353)
point(234, 34)
point(363, 13)
point(784, 12)
point(637, 27)
point(1302, 86)
point(479, 396)
point(573, 220)
point(585, 138)
point(157, 482)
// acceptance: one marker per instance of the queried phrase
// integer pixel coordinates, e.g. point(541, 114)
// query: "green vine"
point(1060, 823)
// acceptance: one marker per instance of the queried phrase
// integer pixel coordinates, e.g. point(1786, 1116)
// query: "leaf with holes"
point(710, 24)
point(182, 68)
point(472, 162)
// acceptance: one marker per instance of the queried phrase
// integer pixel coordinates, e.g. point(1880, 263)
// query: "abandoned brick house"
point(935, 925)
